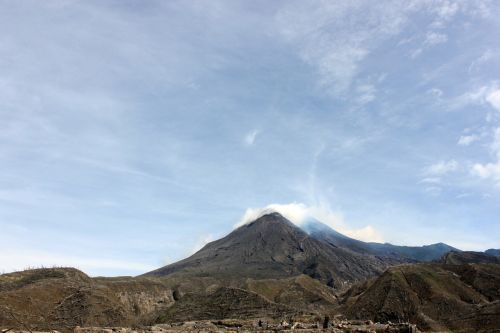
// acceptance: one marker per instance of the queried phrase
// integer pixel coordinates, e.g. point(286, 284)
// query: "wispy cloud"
point(481, 60)
point(466, 140)
point(485, 94)
point(441, 168)
point(335, 37)
point(202, 241)
point(251, 136)
point(434, 174)
point(491, 171)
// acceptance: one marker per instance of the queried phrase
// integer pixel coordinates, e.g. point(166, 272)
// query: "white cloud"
point(367, 234)
point(482, 95)
point(441, 168)
point(490, 170)
point(299, 213)
point(466, 140)
point(250, 137)
point(493, 98)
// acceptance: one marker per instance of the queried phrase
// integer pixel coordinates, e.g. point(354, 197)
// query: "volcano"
point(273, 247)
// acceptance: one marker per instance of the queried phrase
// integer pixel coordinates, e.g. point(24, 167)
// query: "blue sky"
point(133, 132)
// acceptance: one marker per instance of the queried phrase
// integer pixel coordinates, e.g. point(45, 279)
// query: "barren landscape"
point(266, 275)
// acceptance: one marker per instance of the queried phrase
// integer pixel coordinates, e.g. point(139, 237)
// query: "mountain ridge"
point(403, 253)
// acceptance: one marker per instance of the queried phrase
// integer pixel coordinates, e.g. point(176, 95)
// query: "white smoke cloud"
point(202, 241)
point(298, 213)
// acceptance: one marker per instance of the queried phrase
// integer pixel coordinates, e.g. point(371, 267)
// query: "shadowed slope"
point(469, 257)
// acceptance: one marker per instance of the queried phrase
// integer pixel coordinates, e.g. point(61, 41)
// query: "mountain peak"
point(269, 216)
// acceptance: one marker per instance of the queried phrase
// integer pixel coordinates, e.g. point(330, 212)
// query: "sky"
point(134, 132)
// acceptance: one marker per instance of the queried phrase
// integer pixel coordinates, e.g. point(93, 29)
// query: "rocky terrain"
point(63, 298)
point(436, 297)
point(268, 325)
point(268, 275)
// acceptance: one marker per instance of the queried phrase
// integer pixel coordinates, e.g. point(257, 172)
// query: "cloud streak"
point(250, 137)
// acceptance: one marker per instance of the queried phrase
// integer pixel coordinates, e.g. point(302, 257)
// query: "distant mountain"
point(469, 257)
point(424, 253)
point(493, 252)
point(273, 247)
point(436, 297)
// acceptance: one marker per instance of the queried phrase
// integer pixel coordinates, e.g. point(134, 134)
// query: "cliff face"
point(62, 298)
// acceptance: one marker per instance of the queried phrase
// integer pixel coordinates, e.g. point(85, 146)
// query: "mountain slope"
point(224, 303)
point(469, 257)
point(431, 252)
point(273, 247)
point(493, 252)
point(437, 297)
